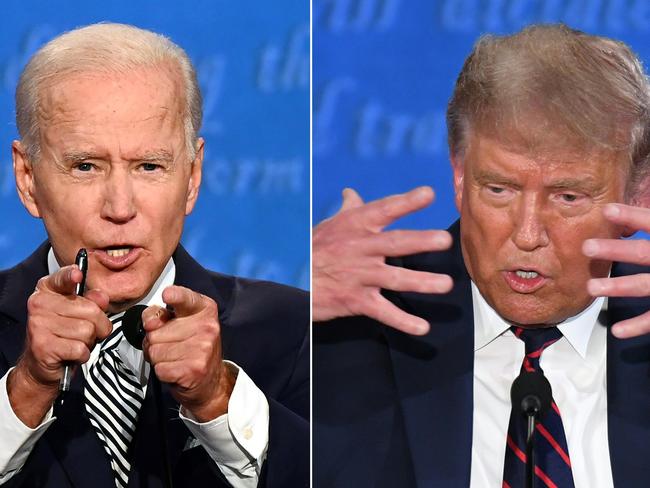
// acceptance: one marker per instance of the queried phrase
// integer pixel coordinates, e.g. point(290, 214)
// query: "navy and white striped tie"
point(113, 400)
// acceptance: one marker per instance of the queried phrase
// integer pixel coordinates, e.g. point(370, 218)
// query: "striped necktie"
point(552, 463)
point(113, 400)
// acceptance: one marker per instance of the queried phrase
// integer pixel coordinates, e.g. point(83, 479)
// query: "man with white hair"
point(110, 159)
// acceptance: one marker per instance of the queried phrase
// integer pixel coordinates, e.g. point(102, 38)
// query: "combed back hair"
point(552, 90)
point(102, 48)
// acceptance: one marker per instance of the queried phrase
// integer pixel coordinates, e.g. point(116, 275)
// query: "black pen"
point(82, 262)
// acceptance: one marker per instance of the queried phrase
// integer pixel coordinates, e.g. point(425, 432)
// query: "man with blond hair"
point(549, 140)
point(110, 159)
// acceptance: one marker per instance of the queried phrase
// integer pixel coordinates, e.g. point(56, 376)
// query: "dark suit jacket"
point(393, 410)
point(264, 330)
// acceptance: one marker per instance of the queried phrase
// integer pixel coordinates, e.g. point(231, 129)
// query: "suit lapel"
point(14, 292)
point(628, 393)
point(148, 460)
point(434, 375)
point(75, 444)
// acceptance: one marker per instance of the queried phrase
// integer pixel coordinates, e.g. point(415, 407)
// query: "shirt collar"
point(488, 324)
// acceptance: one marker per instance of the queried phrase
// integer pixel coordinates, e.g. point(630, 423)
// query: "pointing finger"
point(184, 301)
point(63, 281)
point(154, 317)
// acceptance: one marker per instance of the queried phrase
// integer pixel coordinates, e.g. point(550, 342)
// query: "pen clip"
point(82, 263)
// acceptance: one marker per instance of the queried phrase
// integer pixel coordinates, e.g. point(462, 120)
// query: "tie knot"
point(536, 340)
point(116, 335)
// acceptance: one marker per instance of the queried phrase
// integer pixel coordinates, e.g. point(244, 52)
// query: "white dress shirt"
point(237, 441)
point(575, 366)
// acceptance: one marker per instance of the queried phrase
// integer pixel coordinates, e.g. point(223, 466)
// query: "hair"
point(550, 89)
point(102, 48)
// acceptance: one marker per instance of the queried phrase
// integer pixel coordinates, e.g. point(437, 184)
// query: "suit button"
point(248, 433)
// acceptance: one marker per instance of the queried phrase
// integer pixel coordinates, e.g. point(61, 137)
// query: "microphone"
point(132, 326)
point(134, 333)
point(531, 397)
point(531, 394)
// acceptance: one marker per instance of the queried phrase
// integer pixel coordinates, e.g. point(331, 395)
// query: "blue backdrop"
point(384, 71)
point(252, 218)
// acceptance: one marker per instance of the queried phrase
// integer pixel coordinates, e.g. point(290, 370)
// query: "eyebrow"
point(486, 176)
point(156, 155)
point(585, 183)
point(79, 156)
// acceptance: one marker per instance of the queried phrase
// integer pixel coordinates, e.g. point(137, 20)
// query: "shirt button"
point(248, 433)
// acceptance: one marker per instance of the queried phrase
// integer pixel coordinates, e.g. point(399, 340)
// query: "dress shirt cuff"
point(16, 439)
point(237, 440)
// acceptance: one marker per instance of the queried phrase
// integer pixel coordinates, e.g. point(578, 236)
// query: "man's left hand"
point(184, 348)
point(635, 251)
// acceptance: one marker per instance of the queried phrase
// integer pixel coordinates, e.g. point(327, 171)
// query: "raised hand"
point(61, 328)
point(349, 254)
point(184, 348)
point(635, 251)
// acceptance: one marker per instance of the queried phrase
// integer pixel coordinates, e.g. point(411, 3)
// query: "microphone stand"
point(530, 449)
point(162, 425)
point(134, 333)
point(531, 397)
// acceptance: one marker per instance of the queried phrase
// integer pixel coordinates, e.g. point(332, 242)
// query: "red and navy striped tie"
point(552, 463)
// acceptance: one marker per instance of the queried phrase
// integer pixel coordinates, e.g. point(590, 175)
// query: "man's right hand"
point(61, 328)
point(349, 254)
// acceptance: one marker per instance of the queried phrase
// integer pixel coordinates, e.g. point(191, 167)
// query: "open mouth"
point(117, 257)
point(117, 252)
point(527, 275)
point(524, 280)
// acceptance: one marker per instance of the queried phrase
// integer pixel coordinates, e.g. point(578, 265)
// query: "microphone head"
point(531, 394)
point(132, 326)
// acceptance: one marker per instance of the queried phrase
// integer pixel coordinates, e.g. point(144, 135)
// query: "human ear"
point(24, 176)
point(640, 197)
point(194, 181)
point(458, 169)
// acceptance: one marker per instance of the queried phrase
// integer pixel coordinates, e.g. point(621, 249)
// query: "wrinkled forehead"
point(534, 127)
point(146, 92)
point(546, 145)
